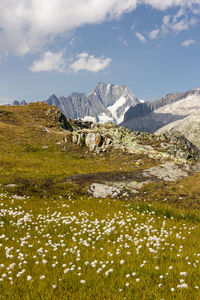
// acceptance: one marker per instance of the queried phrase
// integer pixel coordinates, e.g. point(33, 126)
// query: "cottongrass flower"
point(82, 281)
point(182, 286)
point(29, 278)
point(127, 284)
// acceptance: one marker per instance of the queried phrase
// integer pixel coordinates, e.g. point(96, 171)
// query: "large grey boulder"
point(98, 190)
point(167, 171)
point(90, 141)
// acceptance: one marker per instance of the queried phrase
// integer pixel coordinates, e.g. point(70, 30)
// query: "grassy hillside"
point(57, 242)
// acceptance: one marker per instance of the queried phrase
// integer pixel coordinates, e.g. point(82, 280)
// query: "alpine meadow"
point(99, 149)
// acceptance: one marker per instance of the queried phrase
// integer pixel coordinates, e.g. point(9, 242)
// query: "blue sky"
point(57, 47)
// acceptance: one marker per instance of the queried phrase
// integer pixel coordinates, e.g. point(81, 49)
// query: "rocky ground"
point(98, 160)
point(177, 157)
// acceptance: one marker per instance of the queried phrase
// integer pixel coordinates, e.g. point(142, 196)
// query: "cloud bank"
point(27, 25)
point(50, 61)
point(89, 63)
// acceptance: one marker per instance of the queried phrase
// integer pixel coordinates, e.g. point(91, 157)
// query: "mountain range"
point(178, 112)
point(116, 103)
point(106, 102)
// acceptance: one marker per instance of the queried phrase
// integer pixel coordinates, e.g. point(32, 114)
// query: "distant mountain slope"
point(189, 127)
point(151, 116)
point(17, 103)
point(107, 102)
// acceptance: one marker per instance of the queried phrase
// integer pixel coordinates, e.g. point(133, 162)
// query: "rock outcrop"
point(167, 171)
point(57, 116)
point(98, 190)
point(100, 137)
point(189, 127)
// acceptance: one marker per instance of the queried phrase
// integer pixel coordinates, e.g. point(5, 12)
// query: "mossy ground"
point(78, 234)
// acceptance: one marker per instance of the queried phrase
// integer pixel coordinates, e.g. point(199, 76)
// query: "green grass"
point(57, 227)
point(60, 233)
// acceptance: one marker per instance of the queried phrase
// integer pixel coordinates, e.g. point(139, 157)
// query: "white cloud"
point(180, 26)
point(164, 4)
point(154, 33)
point(140, 37)
point(89, 63)
point(179, 22)
point(188, 43)
point(27, 25)
point(49, 62)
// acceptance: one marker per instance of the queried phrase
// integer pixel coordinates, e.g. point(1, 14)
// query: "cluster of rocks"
point(180, 146)
point(100, 137)
point(165, 172)
point(91, 139)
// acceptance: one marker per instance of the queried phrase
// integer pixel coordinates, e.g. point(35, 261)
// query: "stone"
point(196, 168)
point(46, 130)
point(167, 171)
point(136, 185)
point(98, 190)
point(11, 185)
point(75, 138)
point(18, 197)
point(81, 139)
point(94, 141)
point(90, 141)
point(99, 140)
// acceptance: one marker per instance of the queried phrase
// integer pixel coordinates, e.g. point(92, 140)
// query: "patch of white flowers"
point(122, 244)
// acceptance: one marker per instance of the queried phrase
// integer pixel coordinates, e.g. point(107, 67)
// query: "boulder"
point(81, 139)
point(90, 141)
point(167, 171)
point(98, 190)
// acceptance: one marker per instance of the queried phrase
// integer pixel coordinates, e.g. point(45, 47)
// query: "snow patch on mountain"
point(114, 108)
point(103, 118)
point(187, 106)
point(89, 118)
point(121, 118)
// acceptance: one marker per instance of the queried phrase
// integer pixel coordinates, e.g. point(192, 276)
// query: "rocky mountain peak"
point(106, 102)
point(19, 103)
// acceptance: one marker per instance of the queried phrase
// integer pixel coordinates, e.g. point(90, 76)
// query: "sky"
point(63, 46)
